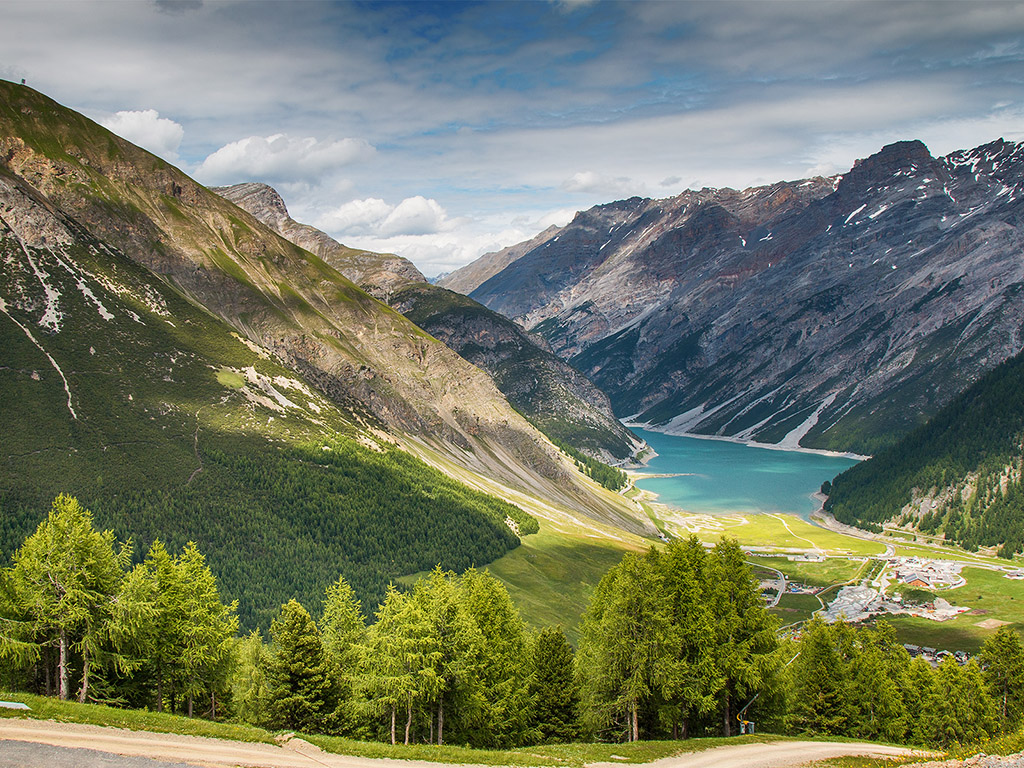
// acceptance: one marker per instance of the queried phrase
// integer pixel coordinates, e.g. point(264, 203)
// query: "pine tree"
point(300, 691)
point(553, 688)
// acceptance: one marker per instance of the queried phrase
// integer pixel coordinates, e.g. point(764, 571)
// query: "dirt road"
point(218, 753)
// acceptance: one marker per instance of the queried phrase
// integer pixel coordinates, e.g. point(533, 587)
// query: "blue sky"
point(442, 130)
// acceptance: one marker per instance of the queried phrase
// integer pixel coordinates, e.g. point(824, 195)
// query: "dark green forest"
point(973, 447)
point(675, 643)
point(284, 523)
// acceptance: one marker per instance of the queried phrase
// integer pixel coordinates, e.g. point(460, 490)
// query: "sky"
point(444, 130)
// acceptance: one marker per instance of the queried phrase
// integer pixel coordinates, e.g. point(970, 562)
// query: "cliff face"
point(286, 301)
point(833, 313)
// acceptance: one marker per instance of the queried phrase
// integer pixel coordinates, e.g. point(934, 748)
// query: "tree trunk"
point(684, 730)
point(634, 722)
point(393, 740)
point(440, 721)
point(408, 719)
point(160, 689)
point(84, 691)
point(726, 720)
point(62, 666)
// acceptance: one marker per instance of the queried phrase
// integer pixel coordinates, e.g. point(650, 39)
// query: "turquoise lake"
point(717, 476)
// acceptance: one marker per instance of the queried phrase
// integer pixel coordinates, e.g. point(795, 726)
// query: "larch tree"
point(205, 625)
point(503, 673)
point(690, 679)
point(65, 579)
point(745, 631)
point(1002, 659)
point(400, 669)
point(343, 629)
point(624, 635)
point(460, 647)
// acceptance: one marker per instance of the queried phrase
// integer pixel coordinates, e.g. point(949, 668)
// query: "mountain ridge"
point(827, 313)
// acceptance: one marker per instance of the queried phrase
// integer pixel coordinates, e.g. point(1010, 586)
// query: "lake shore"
point(742, 441)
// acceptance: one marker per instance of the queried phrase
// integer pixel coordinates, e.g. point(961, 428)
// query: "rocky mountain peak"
point(261, 200)
point(902, 158)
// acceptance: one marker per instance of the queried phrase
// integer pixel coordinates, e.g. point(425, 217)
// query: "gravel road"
point(44, 743)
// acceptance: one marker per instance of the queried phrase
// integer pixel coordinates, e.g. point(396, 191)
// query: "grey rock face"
point(831, 313)
point(379, 274)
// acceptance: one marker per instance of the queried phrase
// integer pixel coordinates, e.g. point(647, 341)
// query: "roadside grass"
point(987, 594)
point(46, 708)
point(569, 755)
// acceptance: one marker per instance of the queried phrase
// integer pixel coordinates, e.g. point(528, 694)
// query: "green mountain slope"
point(168, 424)
point(958, 475)
point(191, 375)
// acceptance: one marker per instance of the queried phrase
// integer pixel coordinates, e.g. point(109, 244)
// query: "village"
point(900, 586)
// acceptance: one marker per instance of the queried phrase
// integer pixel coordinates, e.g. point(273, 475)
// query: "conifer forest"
point(675, 643)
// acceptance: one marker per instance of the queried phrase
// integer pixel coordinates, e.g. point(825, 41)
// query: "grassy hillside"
point(167, 424)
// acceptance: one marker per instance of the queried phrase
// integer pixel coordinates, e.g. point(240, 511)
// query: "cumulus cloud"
point(280, 158)
point(373, 217)
point(160, 135)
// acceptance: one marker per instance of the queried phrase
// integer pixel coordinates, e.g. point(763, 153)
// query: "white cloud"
point(591, 182)
point(416, 216)
point(160, 135)
point(280, 157)
point(373, 217)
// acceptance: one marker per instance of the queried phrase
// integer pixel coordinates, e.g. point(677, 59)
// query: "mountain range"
point(191, 374)
point(835, 313)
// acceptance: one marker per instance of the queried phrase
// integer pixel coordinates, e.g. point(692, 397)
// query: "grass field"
point(551, 576)
point(835, 570)
point(793, 608)
point(763, 531)
point(987, 594)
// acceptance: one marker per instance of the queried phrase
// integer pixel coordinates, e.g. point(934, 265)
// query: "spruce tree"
point(553, 688)
point(301, 694)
